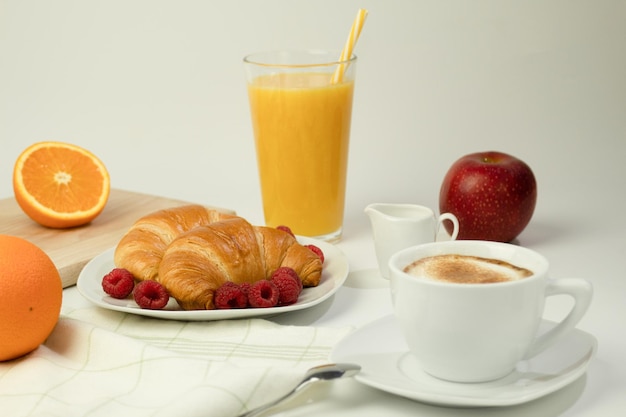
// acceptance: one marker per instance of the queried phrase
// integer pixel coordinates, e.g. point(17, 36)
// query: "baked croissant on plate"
point(199, 261)
point(140, 250)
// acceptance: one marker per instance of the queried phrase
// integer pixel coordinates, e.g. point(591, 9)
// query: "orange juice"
point(301, 126)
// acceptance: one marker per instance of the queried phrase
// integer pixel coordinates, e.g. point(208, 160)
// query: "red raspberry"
point(289, 271)
point(151, 295)
point(285, 229)
point(289, 288)
point(245, 288)
point(263, 294)
point(118, 283)
point(230, 295)
point(317, 251)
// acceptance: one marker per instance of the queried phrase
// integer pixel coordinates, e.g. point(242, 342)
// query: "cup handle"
point(455, 224)
point(582, 291)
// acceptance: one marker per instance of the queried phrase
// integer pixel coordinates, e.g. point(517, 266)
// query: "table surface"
point(160, 97)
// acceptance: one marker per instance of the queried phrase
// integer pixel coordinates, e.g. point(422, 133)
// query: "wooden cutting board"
point(71, 249)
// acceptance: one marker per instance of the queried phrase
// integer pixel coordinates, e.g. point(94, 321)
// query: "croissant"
point(140, 250)
point(199, 261)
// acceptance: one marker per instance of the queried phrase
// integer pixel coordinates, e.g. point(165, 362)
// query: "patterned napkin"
point(105, 363)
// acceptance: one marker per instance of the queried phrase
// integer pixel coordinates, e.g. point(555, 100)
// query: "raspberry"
point(289, 288)
point(151, 295)
point(245, 288)
point(230, 295)
point(118, 283)
point(289, 271)
point(285, 229)
point(317, 251)
point(263, 294)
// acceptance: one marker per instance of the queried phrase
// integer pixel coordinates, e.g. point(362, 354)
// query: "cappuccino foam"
point(465, 269)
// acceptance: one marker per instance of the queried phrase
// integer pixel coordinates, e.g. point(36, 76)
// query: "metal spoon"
point(317, 373)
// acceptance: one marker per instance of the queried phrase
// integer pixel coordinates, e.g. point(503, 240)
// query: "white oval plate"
point(334, 274)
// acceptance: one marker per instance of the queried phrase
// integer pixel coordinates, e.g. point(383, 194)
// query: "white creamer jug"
point(398, 226)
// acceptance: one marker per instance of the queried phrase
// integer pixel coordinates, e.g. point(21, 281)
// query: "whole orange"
point(31, 292)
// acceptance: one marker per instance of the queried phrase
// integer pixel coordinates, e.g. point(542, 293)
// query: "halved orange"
point(60, 185)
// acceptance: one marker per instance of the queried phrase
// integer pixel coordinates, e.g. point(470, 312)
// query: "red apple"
point(492, 194)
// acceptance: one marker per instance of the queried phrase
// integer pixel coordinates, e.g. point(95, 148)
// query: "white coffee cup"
point(398, 226)
point(469, 332)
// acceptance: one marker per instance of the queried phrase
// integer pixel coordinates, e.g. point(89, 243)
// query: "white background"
point(156, 89)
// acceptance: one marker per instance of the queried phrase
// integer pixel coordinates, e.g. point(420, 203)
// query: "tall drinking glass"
point(301, 108)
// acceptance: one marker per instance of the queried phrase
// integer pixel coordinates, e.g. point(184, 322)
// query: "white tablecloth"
point(105, 363)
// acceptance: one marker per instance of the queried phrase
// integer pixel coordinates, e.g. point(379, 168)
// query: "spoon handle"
point(261, 409)
point(318, 373)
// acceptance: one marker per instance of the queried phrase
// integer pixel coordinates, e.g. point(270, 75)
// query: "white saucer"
point(386, 363)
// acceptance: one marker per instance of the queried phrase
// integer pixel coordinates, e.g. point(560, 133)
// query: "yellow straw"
point(346, 53)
